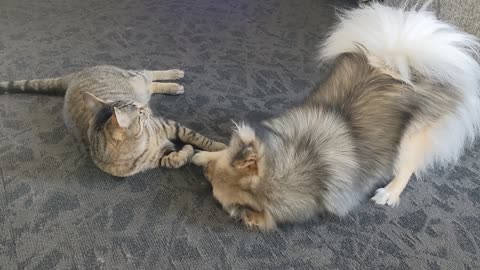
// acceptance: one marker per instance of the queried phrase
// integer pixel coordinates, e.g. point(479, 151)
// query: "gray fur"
point(328, 154)
point(107, 108)
point(344, 140)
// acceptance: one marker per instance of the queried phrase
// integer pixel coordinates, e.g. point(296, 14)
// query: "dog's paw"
point(252, 220)
point(384, 196)
point(234, 211)
point(177, 74)
point(258, 220)
point(188, 150)
point(199, 158)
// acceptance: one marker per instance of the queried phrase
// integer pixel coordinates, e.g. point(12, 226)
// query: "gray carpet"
point(243, 59)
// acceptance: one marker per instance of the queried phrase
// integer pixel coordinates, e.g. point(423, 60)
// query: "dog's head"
point(236, 175)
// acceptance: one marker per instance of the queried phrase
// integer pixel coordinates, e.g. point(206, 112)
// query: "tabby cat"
point(107, 108)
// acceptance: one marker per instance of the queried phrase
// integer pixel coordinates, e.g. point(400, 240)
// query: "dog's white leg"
point(411, 157)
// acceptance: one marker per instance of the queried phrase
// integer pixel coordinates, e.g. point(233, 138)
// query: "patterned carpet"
point(243, 59)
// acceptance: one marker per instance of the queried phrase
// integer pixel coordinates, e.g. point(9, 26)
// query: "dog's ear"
point(245, 150)
point(246, 159)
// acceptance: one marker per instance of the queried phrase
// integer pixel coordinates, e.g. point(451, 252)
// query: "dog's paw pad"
point(384, 196)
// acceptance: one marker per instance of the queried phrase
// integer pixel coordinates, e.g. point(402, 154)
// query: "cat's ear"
point(121, 118)
point(93, 103)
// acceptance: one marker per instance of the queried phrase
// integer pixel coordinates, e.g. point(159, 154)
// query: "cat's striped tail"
point(52, 86)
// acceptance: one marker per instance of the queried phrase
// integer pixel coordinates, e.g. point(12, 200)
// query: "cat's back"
point(108, 83)
point(105, 82)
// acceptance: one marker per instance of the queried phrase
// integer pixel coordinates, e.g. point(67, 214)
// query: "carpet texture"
point(243, 59)
point(465, 13)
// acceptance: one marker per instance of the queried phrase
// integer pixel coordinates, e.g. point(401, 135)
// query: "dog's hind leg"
point(413, 151)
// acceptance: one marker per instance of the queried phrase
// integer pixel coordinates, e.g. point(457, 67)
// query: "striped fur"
point(107, 108)
point(53, 86)
point(402, 96)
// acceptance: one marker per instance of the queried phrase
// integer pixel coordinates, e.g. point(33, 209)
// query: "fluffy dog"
point(402, 96)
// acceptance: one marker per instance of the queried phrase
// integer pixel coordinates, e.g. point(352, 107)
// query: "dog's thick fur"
point(401, 97)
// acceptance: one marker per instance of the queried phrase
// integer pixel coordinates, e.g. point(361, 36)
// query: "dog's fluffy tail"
point(401, 40)
point(404, 41)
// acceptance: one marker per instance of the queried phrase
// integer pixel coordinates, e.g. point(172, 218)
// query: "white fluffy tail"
point(401, 41)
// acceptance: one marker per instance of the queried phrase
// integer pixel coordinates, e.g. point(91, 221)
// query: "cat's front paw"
point(175, 160)
point(217, 146)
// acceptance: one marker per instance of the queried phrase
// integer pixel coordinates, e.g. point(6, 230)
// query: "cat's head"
point(122, 119)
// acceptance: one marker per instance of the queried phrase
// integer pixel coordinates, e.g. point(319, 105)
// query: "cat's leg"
point(178, 159)
point(163, 75)
point(411, 157)
point(166, 88)
point(189, 136)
